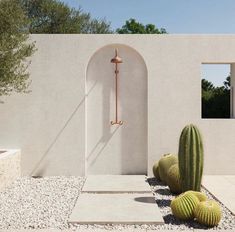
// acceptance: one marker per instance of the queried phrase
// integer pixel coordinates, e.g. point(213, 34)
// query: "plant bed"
point(163, 198)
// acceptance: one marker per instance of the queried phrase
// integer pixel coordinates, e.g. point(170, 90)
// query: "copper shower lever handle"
point(116, 123)
point(116, 60)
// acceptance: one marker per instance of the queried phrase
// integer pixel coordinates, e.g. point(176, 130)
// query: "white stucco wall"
point(49, 124)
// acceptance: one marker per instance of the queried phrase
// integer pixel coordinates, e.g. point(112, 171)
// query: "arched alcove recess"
point(114, 149)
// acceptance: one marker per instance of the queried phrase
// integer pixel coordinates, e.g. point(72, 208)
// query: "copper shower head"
point(116, 59)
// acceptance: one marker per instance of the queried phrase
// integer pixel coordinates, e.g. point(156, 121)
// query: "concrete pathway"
point(116, 184)
point(109, 201)
point(223, 188)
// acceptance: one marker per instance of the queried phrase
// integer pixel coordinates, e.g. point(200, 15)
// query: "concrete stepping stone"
point(116, 184)
point(122, 208)
point(223, 188)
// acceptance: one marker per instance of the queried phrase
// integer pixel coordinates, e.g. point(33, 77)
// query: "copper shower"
point(116, 60)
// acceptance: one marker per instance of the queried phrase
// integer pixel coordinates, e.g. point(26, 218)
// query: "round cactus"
point(164, 164)
point(156, 170)
point(208, 213)
point(184, 205)
point(173, 179)
point(201, 196)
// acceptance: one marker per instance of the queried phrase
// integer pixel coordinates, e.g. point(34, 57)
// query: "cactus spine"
point(208, 213)
point(184, 205)
point(199, 195)
point(156, 171)
point(190, 158)
point(164, 164)
point(173, 179)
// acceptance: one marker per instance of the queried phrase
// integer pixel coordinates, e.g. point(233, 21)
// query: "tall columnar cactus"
point(190, 158)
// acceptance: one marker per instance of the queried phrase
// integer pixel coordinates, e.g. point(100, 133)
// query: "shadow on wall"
point(39, 169)
point(107, 133)
point(98, 110)
point(116, 149)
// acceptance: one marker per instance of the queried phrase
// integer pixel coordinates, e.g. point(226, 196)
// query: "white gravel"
point(39, 203)
point(47, 203)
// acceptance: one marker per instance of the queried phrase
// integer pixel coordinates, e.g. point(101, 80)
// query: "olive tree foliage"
point(133, 27)
point(15, 48)
point(215, 100)
point(55, 17)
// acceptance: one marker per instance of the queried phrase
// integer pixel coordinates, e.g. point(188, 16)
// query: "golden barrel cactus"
point(184, 205)
point(164, 164)
point(156, 171)
point(208, 213)
point(173, 179)
point(201, 196)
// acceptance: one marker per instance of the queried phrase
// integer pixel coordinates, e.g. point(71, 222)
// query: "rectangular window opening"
point(216, 91)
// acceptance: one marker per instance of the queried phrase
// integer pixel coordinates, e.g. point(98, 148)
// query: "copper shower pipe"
point(116, 60)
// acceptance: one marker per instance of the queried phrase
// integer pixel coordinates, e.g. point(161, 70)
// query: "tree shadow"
point(104, 141)
point(39, 171)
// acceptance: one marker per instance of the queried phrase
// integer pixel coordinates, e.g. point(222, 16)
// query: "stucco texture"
point(54, 125)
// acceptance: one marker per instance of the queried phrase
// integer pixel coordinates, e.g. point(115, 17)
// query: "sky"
point(215, 73)
point(176, 16)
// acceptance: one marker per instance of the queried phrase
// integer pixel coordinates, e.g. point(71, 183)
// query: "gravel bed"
point(163, 198)
point(45, 203)
point(39, 203)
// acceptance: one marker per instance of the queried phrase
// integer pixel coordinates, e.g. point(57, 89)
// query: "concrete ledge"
point(10, 168)
point(223, 188)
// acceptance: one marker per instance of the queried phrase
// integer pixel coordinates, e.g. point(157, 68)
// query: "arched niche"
point(113, 149)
